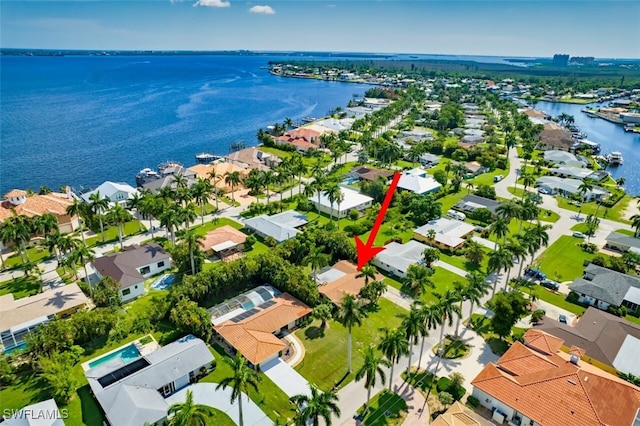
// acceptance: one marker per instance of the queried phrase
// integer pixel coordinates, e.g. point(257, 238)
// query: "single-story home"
point(358, 112)
point(556, 137)
point(169, 181)
point(567, 187)
point(223, 242)
point(18, 317)
point(132, 266)
point(418, 183)
point(376, 103)
point(417, 133)
point(396, 258)
point(134, 393)
point(340, 279)
point(622, 243)
point(459, 414)
point(471, 203)
point(475, 168)
point(571, 172)
point(429, 159)
point(252, 322)
point(116, 192)
point(351, 200)
point(368, 173)
point(472, 139)
point(537, 384)
point(563, 157)
point(281, 226)
point(449, 234)
point(603, 287)
point(605, 337)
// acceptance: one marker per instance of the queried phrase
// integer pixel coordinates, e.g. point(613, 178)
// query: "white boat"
point(615, 158)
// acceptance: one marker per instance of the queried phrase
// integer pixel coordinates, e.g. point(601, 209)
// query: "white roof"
point(287, 379)
point(576, 172)
point(400, 256)
point(352, 199)
point(627, 358)
point(281, 226)
point(448, 231)
point(109, 189)
point(417, 184)
point(568, 185)
point(43, 413)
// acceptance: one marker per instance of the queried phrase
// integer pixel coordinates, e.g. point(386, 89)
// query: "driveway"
point(286, 378)
point(206, 394)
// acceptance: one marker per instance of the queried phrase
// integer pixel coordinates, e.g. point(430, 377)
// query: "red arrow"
point(366, 252)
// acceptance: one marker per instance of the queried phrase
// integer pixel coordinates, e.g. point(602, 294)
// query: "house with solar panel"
point(254, 323)
point(132, 389)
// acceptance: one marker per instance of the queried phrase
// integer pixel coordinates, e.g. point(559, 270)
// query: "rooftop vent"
point(574, 359)
point(571, 381)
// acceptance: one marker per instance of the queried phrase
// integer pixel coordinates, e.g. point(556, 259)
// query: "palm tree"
point(585, 186)
point(323, 312)
point(350, 314)
point(298, 167)
point(134, 203)
point(44, 224)
point(418, 278)
point(17, 229)
point(201, 192)
point(498, 260)
point(393, 345)
point(527, 180)
point(192, 240)
point(52, 241)
point(268, 178)
point(310, 408)
point(369, 272)
point(80, 210)
point(147, 208)
point(333, 193)
point(414, 328)
point(234, 179)
point(477, 288)
point(187, 214)
point(242, 378)
point(448, 307)
point(188, 413)
point(517, 250)
point(431, 316)
point(635, 224)
point(118, 215)
point(371, 369)
point(98, 206)
point(474, 252)
point(170, 219)
point(317, 259)
point(82, 255)
point(180, 181)
point(499, 228)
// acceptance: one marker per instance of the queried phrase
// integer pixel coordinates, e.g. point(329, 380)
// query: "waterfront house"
point(602, 336)
point(222, 169)
point(339, 280)
point(603, 287)
point(254, 322)
point(116, 192)
point(567, 187)
point(537, 384)
point(555, 137)
point(622, 243)
point(169, 181)
point(449, 234)
point(351, 200)
point(376, 103)
point(19, 202)
point(132, 266)
point(396, 258)
point(571, 172)
point(225, 242)
point(18, 317)
point(563, 157)
point(135, 393)
point(280, 227)
point(45, 413)
point(253, 158)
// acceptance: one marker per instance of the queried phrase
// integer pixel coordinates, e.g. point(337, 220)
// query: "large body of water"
point(610, 136)
point(81, 120)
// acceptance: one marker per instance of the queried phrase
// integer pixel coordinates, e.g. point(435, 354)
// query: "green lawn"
point(558, 299)
point(450, 200)
point(564, 260)
point(385, 409)
point(308, 161)
point(487, 178)
point(443, 280)
point(579, 227)
point(35, 254)
point(325, 361)
point(20, 287)
point(111, 233)
point(453, 349)
point(627, 232)
point(215, 224)
point(614, 213)
point(459, 261)
point(220, 418)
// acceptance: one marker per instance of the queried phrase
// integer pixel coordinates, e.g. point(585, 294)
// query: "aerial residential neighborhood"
point(456, 241)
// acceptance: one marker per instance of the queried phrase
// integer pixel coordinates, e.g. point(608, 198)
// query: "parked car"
point(544, 191)
point(498, 178)
point(562, 319)
point(579, 235)
point(553, 285)
point(535, 274)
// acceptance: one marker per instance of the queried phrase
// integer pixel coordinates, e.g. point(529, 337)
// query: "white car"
point(498, 178)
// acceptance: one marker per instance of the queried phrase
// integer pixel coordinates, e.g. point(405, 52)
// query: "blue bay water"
point(81, 120)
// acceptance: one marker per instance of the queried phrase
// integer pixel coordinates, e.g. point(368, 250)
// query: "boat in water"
point(206, 158)
point(615, 158)
point(146, 175)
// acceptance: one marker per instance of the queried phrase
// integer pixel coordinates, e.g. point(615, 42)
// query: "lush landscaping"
point(482, 325)
point(111, 233)
point(385, 409)
point(443, 280)
point(452, 348)
point(21, 287)
point(328, 348)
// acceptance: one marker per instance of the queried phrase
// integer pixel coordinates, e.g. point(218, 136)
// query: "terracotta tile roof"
point(520, 361)
point(301, 143)
point(203, 170)
point(303, 133)
point(347, 284)
point(15, 193)
point(36, 205)
point(253, 336)
point(534, 113)
point(561, 395)
point(459, 415)
point(221, 235)
point(543, 342)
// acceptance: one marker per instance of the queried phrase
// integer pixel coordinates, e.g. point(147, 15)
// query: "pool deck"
point(143, 349)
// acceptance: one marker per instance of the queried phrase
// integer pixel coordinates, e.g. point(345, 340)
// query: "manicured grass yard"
point(385, 409)
point(627, 232)
point(111, 233)
point(209, 226)
point(325, 361)
point(21, 287)
point(558, 299)
point(564, 260)
point(220, 418)
point(35, 254)
point(614, 213)
point(443, 280)
point(453, 349)
point(487, 178)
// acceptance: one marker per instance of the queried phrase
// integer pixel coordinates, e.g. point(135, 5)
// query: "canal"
point(610, 136)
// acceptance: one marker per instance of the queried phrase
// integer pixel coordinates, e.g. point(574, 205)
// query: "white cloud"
point(212, 3)
point(263, 10)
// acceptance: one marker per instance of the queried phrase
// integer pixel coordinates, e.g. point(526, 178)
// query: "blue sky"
point(525, 28)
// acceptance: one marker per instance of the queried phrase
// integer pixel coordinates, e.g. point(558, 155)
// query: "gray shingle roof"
point(134, 399)
point(122, 266)
point(624, 240)
point(604, 284)
point(473, 202)
point(281, 226)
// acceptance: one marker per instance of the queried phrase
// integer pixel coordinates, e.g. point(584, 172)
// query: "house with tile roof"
point(134, 393)
point(556, 137)
point(396, 258)
point(602, 336)
point(535, 384)
point(221, 169)
point(54, 203)
point(223, 242)
point(448, 234)
point(253, 158)
point(254, 328)
point(131, 266)
point(460, 415)
point(280, 227)
point(19, 317)
point(603, 287)
point(336, 281)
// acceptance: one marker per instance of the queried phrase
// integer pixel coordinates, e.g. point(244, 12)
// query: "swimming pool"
point(127, 354)
point(164, 282)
